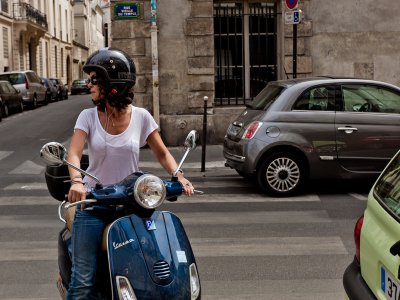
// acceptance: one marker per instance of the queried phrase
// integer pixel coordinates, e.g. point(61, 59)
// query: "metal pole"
point(204, 137)
point(294, 50)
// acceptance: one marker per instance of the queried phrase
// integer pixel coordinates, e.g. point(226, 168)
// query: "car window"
point(266, 97)
point(3, 88)
point(370, 98)
point(319, 98)
point(33, 77)
point(387, 189)
point(15, 78)
point(10, 88)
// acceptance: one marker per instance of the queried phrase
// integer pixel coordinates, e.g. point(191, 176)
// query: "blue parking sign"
point(296, 17)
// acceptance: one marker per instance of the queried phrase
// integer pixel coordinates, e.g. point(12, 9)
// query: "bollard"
point(204, 137)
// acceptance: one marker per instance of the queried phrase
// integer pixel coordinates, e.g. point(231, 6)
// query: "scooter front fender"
point(153, 254)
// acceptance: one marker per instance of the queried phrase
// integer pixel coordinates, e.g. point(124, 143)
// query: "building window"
point(5, 6)
point(245, 47)
point(5, 43)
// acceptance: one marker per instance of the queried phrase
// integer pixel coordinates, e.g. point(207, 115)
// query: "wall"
point(355, 38)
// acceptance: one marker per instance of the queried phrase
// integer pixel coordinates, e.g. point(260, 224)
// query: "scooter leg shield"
point(153, 254)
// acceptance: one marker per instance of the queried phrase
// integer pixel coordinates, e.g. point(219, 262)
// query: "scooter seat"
point(69, 218)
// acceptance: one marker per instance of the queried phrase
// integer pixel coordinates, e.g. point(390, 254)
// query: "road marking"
point(10, 201)
point(248, 198)
point(358, 196)
point(28, 251)
point(258, 217)
point(28, 167)
point(301, 289)
point(187, 165)
point(268, 246)
point(4, 154)
point(27, 186)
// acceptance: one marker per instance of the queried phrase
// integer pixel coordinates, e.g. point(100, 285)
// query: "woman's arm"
point(167, 160)
point(77, 191)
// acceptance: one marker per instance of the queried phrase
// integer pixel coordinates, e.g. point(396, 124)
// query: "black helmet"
point(115, 66)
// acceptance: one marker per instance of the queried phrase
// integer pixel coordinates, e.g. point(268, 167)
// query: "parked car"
point(62, 89)
point(51, 90)
point(10, 99)
point(299, 129)
point(375, 270)
point(29, 84)
point(79, 87)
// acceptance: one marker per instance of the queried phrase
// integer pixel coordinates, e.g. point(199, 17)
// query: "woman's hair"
point(119, 102)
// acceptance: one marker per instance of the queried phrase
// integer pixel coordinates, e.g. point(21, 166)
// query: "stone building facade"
point(181, 64)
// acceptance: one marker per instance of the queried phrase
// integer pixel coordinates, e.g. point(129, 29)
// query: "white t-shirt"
point(113, 157)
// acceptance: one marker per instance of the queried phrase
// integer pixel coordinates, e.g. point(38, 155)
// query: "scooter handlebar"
point(86, 201)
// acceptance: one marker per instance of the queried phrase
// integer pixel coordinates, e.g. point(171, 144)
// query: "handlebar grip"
point(86, 201)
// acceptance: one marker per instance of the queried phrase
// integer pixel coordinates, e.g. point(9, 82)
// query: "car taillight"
point(357, 235)
point(251, 130)
point(26, 84)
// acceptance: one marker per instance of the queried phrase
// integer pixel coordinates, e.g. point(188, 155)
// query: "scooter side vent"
point(161, 269)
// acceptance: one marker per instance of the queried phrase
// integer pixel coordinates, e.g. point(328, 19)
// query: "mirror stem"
point(181, 162)
point(98, 183)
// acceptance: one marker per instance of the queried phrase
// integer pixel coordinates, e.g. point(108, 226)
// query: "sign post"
point(294, 15)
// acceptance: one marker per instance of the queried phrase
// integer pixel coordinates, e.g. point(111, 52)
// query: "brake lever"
point(198, 192)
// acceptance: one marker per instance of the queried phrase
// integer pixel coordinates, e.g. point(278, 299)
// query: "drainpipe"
point(154, 61)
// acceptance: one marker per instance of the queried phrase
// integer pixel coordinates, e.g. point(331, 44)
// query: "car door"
point(368, 127)
point(10, 94)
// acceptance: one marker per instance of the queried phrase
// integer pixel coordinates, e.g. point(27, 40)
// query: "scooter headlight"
point(149, 191)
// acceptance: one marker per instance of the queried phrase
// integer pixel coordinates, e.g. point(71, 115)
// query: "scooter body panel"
point(153, 253)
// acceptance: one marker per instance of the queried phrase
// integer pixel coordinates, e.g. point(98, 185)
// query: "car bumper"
point(243, 155)
point(354, 285)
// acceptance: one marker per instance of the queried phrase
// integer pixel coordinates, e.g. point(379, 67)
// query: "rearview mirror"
point(191, 140)
point(53, 154)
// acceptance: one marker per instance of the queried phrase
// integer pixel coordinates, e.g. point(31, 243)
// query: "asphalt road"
point(247, 245)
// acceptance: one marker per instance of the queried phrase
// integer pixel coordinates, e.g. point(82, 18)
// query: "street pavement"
point(247, 245)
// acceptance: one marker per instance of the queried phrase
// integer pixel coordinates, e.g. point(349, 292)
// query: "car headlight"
point(149, 191)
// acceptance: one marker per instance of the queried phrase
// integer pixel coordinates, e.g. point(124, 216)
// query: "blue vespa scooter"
point(146, 252)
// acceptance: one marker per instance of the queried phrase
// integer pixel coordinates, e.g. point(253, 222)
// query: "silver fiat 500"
point(301, 129)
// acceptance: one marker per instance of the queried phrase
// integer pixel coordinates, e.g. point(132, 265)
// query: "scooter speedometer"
point(149, 191)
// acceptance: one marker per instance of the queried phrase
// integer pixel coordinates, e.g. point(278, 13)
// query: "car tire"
point(281, 174)
point(21, 107)
point(34, 102)
point(5, 110)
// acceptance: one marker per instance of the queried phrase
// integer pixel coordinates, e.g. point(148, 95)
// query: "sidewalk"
point(214, 161)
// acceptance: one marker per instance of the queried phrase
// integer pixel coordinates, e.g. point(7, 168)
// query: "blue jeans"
point(86, 239)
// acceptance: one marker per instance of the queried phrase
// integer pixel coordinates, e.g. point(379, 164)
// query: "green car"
point(375, 271)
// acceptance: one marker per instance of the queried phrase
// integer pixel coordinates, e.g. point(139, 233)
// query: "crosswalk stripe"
point(21, 251)
point(188, 165)
point(28, 221)
point(9, 201)
point(359, 197)
point(4, 154)
point(247, 198)
point(268, 246)
point(28, 167)
point(258, 217)
point(27, 186)
point(306, 289)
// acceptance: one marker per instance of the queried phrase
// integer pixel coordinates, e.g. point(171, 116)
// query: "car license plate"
point(389, 285)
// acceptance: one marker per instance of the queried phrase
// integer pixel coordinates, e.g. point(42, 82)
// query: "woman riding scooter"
point(114, 131)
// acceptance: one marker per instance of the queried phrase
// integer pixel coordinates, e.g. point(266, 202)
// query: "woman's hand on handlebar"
point(77, 192)
point(187, 186)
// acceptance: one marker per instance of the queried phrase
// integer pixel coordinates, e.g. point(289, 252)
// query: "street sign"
point(292, 17)
point(291, 4)
point(129, 10)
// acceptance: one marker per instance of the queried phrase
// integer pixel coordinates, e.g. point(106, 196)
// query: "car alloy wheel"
point(281, 174)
